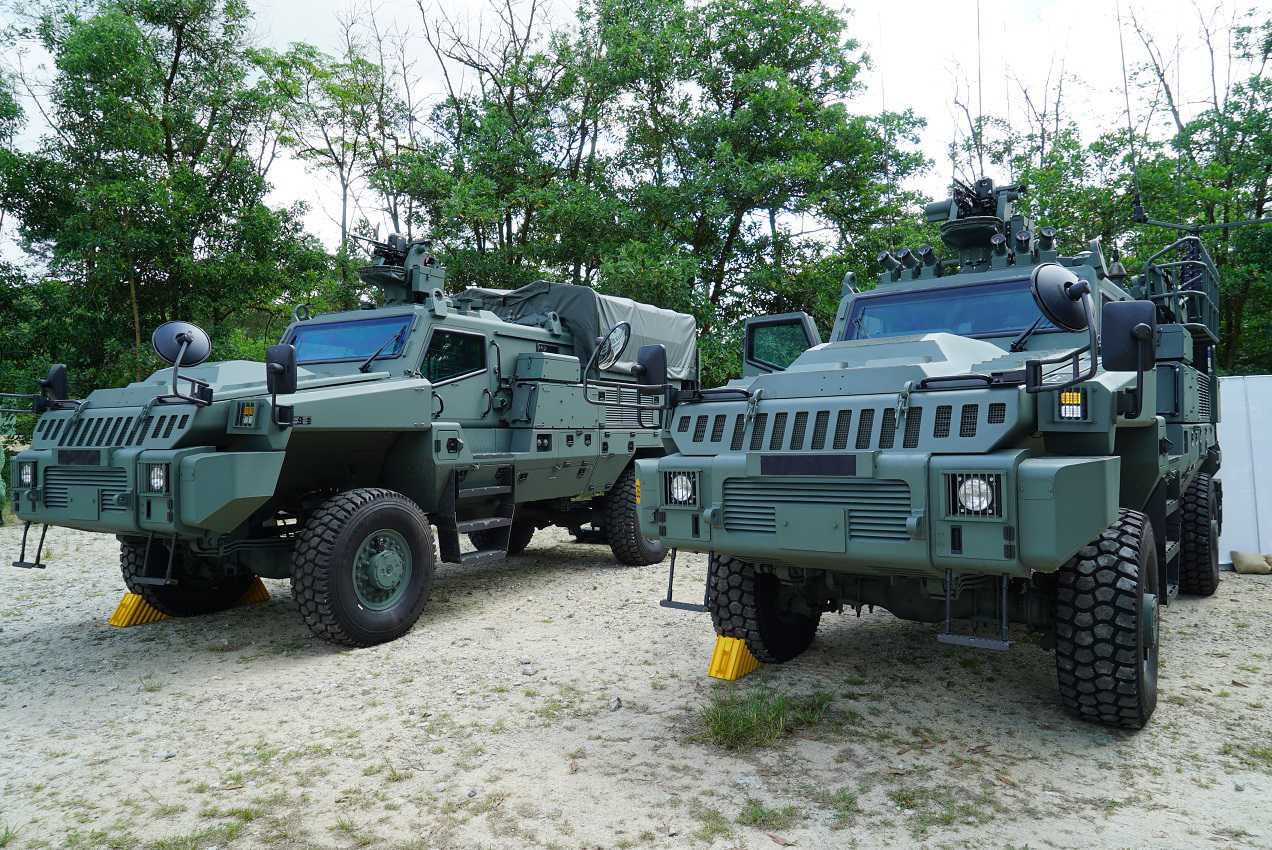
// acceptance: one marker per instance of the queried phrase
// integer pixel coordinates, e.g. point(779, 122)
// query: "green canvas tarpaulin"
point(587, 314)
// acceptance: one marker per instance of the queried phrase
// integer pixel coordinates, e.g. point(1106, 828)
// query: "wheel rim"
point(382, 569)
point(1149, 623)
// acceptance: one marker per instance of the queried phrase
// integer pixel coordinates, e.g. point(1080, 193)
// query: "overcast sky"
point(919, 50)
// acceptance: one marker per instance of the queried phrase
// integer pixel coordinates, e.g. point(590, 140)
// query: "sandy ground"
point(549, 702)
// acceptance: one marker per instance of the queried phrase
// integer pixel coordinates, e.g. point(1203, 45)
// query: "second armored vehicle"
point(1008, 436)
point(331, 463)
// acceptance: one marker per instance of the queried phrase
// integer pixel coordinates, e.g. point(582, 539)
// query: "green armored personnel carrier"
point(1005, 436)
point(331, 463)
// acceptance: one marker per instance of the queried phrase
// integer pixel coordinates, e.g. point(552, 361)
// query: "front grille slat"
point(888, 430)
point(111, 482)
point(970, 415)
point(865, 428)
point(757, 431)
point(877, 509)
point(797, 433)
point(819, 429)
point(843, 422)
point(913, 423)
point(944, 413)
point(779, 431)
point(717, 428)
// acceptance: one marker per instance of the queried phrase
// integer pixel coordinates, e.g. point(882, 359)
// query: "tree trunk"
point(136, 314)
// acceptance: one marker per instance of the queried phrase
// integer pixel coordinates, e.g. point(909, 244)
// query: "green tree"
point(146, 197)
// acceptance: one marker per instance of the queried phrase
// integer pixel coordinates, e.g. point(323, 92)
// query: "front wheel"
point(753, 606)
point(622, 525)
point(192, 595)
point(363, 567)
point(1107, 626)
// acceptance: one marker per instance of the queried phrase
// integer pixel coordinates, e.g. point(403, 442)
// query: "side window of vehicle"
point(778, 344)
point(452, 354)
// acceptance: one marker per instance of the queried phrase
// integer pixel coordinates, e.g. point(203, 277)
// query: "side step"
point(496, 526)
point(484, 492)
point(155, 581)
point(482, 556)
point(974, 641)
point(468, 526)
point(1173, 548)
point(950, 638)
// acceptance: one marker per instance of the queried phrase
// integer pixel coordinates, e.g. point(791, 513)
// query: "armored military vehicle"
point(1005, 436)
point(331, 463)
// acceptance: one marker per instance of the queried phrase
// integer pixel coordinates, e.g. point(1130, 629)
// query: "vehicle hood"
point(873, 366)
point(229, 379)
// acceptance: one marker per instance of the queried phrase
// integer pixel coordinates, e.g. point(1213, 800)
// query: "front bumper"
point(206, 490)
point(883, 512)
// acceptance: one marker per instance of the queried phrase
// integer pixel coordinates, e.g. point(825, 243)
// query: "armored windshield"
point(983, 310)
point(356, 339)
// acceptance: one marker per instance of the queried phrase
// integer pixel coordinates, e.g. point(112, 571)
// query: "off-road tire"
point(322, 566)
point(1199, 555)
point(744, 604)
point(622, 525)
point(1106, 648)
point(192, 596)
point(519, 536)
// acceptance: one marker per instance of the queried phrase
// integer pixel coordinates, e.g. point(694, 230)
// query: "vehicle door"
point(773, 342)
point(456, 363)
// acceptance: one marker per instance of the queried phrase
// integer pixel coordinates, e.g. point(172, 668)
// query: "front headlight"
point(26, 473)
point(975, 495)
point(682, 488)
point(157, 477)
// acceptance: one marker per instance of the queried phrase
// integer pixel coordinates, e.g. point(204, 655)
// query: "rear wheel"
point(363, 567)
point(1199, 555)
point(754, 607)
point(1107, 626)
point(622, 525)
point(193, 594)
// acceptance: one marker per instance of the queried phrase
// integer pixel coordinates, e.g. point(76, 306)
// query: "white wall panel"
point(1245, 435)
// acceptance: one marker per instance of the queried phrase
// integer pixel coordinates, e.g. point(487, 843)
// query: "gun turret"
point(406, 272)
point(974, 214)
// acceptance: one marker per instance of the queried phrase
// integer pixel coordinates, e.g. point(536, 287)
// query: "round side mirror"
point(612, 345)
point(170, 336)
point(1058, 293)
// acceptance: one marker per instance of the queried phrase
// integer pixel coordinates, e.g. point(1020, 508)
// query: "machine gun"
point(406, 272)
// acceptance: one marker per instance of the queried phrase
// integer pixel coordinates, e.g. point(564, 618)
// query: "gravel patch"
point(547, 701)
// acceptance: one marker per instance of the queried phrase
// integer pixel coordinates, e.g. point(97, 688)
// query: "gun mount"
point(406, 272)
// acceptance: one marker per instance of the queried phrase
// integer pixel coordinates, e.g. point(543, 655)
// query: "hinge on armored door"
point(903, 404)
point(751, 404)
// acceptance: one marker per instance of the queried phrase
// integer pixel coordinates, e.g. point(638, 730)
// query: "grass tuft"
point(756, 814)
point(759, 717)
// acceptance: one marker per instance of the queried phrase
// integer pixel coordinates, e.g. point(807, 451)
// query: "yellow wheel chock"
point(731, 660)
point(133, 610)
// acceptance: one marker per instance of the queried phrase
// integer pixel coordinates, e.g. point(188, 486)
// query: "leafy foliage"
point(705, 156)
point(146, 198)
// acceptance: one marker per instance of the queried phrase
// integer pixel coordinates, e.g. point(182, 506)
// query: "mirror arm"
point(1033, 368)
point(176, 364)
point(176, 395)
point(1143, 338)
point(281, 416)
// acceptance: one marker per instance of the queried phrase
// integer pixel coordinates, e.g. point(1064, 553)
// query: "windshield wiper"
point(366, 364)
point(1018, 344)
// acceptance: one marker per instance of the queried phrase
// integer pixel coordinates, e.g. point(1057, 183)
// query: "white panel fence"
point(1245, 435)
